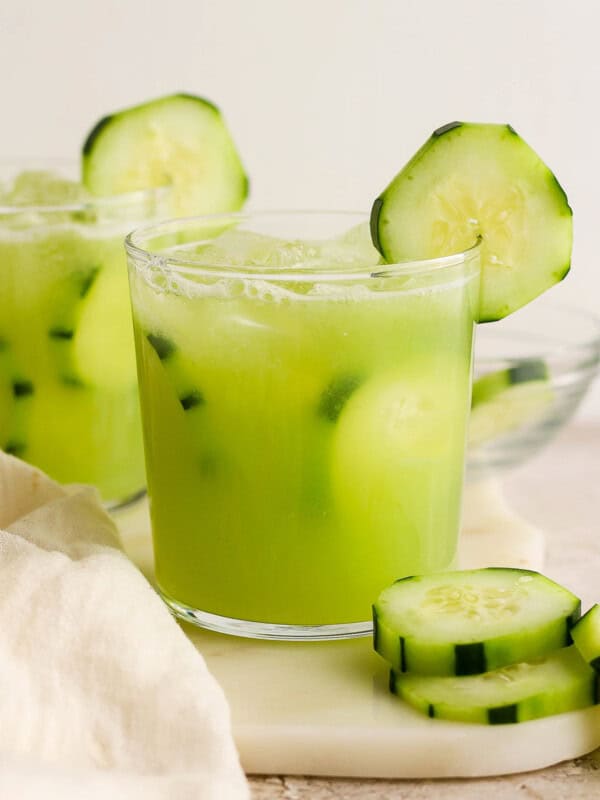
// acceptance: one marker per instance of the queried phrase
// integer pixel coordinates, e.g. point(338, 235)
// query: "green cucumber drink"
point(68, 394)
point(304, 409)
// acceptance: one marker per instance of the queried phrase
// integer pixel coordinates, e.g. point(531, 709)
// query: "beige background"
point(327, 98)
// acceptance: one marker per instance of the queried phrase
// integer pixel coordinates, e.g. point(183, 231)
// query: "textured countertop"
point(559, 491)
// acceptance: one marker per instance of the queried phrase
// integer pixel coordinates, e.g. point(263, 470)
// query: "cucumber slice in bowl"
point(489, 386)
point(559, 682)
point(506, 400)
point(473, 180)
point(471, 621)
point(179, 141)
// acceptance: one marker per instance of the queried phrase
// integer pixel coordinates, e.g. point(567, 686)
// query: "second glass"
point(304, 412)
point(68, 393)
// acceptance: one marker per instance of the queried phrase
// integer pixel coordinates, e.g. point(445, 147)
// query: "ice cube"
point(44, 188)
point(240, 248)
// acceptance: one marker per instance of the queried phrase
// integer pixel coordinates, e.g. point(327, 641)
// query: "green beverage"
point(304, 411)
point(68, 394)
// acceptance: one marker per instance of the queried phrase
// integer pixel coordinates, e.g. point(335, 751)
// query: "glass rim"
point(189, 265)
point(116, 201)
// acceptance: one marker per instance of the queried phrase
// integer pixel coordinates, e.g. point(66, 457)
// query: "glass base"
point(267, 630)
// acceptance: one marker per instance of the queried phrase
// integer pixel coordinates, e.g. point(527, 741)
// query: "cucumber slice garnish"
point(506, 400)
point(586, 636)
point(560, 682)
point(471, 621)
point(470, 180)
point(179, 141)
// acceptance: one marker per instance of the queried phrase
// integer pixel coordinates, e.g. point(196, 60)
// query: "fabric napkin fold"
point(101, 693)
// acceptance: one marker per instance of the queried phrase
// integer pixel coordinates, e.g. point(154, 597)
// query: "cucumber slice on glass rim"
point(180, 141)
point(558, 682)
point(471, 621)
point(473, 180)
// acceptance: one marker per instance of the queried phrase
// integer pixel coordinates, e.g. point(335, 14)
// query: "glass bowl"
point(543, 359)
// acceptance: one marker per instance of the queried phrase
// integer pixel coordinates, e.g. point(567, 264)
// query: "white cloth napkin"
point(101, 693)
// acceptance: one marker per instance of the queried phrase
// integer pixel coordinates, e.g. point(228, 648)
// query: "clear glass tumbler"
point(68, 389)
point(304, 410)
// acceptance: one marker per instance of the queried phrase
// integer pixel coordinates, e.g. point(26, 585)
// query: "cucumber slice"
point(559, 682)
point(181, 141)
point(336, 394)
point(6, 398)
point(189, 395)
point(23, 391)
point(62, 331)
point(506, 400)
point(175, 380)
point(471, 621)
point(489, 386)
point(91, 336)
point(586, 636)
point(103, 346)
point(18, 394)
point(470, 180)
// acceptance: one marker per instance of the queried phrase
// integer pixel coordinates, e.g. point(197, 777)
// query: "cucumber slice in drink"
point(382, 489)
point(471, 621)
point(473, 180)
point(508, 399)
point(103, 346)
point(91, 336)
point(23, 391)
point(189, 394)
point(586, 636)
point(6, 399)
point(17, 392)
point(176, 384)
point(336, 394)
point(561, 681)
point(179, 141)
point(65, 322)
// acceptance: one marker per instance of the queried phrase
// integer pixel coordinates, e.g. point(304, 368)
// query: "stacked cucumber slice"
point(491, 645)
point(558, 682)
point(586, 635)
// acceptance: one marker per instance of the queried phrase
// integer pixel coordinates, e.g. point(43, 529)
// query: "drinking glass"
point(304, 410)
point(68, 389)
